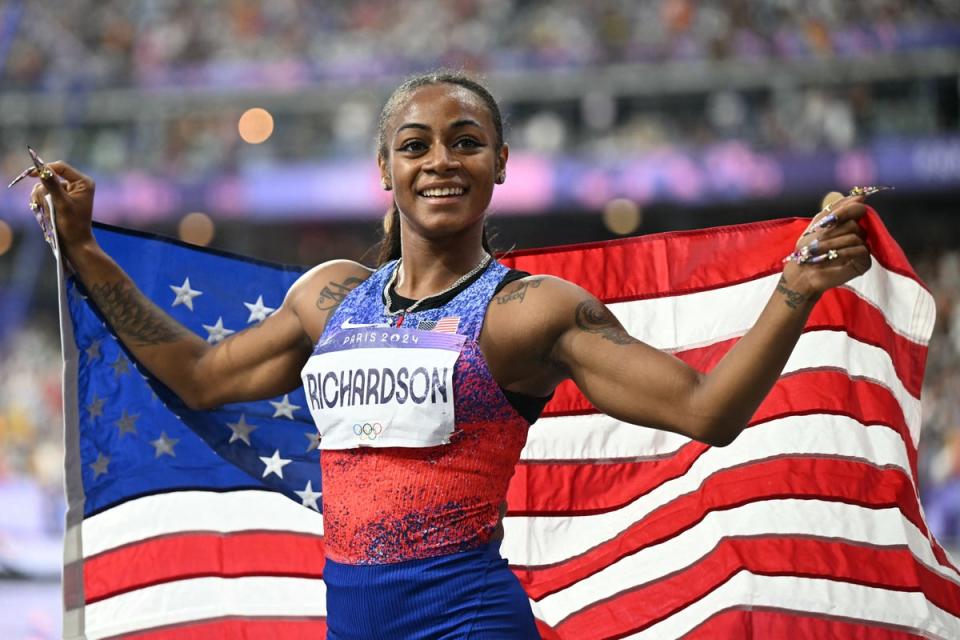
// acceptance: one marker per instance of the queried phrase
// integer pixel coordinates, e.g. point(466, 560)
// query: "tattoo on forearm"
point(520, 292)
point(793, 298)
point(133, 316)
point(593, 317)
point(334, 293)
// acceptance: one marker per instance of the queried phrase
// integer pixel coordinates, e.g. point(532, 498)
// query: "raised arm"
point(637, 383)
point(259, 362)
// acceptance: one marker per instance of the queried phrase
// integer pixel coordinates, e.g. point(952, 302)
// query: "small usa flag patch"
point(450, 324)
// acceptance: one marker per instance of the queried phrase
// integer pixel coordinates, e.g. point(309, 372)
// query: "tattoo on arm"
point(593, 317)
point(334, 293)
point(793, 298)
point(133, 316)
point(520, 292)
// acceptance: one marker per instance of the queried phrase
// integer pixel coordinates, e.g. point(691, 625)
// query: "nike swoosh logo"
point(349, 325)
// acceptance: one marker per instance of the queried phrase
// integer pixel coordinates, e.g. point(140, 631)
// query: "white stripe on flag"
point(204, 598)
point(544, 540)
point(695, 319)
point(184, 511)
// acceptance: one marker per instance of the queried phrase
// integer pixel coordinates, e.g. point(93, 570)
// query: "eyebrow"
point(462, 122)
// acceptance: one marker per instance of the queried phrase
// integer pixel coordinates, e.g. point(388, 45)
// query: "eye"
point(468, 143)
point(412, 146)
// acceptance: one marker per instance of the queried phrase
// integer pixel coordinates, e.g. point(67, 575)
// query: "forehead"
point(438, 105)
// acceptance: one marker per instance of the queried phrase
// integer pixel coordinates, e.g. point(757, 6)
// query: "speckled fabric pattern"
point(394, 504)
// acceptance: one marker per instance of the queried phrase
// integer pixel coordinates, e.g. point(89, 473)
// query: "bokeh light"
point(196, 228)
point(622, 216)
point(255, 125)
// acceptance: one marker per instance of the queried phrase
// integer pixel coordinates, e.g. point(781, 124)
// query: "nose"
point(441, 159)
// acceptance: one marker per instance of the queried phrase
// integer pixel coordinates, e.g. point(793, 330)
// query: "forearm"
point(166, 348)
point(728, 396)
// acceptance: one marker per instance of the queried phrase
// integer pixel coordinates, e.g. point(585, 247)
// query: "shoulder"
point(537, 305)
point(524, 322)
point(318, 292)
point(542, 292)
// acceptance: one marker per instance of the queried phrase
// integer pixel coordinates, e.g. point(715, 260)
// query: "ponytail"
point(389, 247)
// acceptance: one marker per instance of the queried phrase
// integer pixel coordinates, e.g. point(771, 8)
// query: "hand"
point(831, 251)
point(72, 195)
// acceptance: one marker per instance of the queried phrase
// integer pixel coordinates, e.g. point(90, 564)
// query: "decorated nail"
point(20, 176)
point(868, 191)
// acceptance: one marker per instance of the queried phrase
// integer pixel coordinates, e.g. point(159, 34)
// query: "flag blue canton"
point(136, 437)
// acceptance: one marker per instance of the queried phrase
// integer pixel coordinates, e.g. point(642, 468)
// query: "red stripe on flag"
point(233, 628)
point(201, 554)
point(633, 610)
point(846, 481)
point(764, 624)
point(687, 261)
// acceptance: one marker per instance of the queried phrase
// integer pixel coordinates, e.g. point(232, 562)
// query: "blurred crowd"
point(88, 44)
point(82, 47)
point(940, 438)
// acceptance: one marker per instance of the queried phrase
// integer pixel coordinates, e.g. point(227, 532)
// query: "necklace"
point(388, 299)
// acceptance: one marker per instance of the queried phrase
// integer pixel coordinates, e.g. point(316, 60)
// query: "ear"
point(385, 180)
point(501, 173)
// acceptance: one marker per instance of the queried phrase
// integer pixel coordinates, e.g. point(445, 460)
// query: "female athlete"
point(413, 504)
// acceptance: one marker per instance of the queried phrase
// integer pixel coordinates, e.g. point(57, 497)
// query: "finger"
point(38, 195)
point(843, 228)
point(67, 172)
point(830, 258)
point(851, 209)
point(823, 245)
point(829, 199)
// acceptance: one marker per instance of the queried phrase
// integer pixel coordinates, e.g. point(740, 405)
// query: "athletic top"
point(436, 494)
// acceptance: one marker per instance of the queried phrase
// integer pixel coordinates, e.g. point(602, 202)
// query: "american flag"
point(206, 525)
point(450, 324)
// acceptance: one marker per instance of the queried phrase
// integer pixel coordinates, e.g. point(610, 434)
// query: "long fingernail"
point(826, 221)
point(868, 191)
point(37, 161)
point(20, 176)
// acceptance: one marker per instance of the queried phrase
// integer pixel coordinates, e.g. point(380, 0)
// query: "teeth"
point(439, 193)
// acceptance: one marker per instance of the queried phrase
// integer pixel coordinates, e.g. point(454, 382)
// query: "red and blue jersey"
point(390, 504)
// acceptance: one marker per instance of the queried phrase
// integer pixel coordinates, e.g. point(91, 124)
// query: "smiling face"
point(441, 157)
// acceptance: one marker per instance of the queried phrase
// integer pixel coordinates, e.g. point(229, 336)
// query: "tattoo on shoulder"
point(593, 317)
point(133, 316)
point(519, 292)
point(334, 293)
point(793, 298)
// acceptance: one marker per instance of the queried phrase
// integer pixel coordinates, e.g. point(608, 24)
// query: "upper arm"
point(565, 332)
point(622, 376)
point(265, 360)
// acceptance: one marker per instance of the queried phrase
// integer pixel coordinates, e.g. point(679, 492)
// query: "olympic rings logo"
point(368, 430)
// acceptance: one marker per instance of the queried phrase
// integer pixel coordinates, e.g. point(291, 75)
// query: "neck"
point(431, 266)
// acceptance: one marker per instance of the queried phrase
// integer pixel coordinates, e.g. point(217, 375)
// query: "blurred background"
point(249, 126)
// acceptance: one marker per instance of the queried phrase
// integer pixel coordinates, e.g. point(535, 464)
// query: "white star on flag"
point(164, 445)
point(258, 310)
point(217, 331)
point(100, 466)
point(241, 430)
point(309, 496)
point(185, 294)
point(284, 408)
point(274, 464)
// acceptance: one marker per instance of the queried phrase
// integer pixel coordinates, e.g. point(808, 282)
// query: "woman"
point(415, 471)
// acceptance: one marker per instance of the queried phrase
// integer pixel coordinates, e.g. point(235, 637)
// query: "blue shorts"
point(468, 595)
